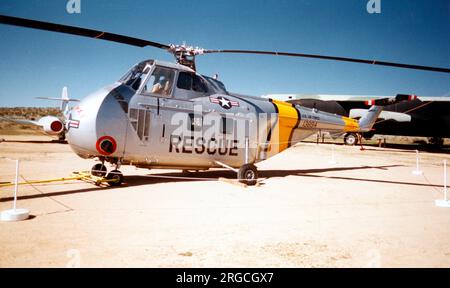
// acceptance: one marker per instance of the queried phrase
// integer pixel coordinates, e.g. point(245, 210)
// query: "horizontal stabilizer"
point(385, 115)
point(391, 100)
point(58, 99)
point(64, 100)
point(370, 117)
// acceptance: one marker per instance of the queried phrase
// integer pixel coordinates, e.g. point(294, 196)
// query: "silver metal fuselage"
point(122, 124)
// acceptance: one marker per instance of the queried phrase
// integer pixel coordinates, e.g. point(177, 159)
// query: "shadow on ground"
point(35, 141)
point(411, 147)
point(214, 175)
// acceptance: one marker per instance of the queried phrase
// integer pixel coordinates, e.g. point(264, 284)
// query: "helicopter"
point(168, 116)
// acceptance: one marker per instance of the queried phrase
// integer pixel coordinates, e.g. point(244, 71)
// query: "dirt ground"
point(367, 210)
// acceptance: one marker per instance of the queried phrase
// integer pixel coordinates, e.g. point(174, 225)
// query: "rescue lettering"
point(213, 146)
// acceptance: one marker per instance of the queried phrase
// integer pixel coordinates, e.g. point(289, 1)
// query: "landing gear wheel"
point(436, 141)
point(99, 170)
point(62, 137)
point(185, 172)
point(115, 175)
point(248, 174)
point(351, 139)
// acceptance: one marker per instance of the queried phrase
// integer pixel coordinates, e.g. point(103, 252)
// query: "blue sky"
point(36, 63)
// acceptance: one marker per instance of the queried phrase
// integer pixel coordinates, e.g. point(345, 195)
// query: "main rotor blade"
point(344, 59)
point(15, 21)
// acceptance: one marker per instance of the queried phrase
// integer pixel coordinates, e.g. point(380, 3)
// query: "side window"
point(160, 82)
point(199, 85)
point(189, 81)
point(184, 81)
point(140, 120)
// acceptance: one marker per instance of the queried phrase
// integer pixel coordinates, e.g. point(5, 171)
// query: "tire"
point(62, 137)
point(185, 172)
point(248, 174)
point(115, 175)
point(351, 139)
point(436, 141)
point(99, 170)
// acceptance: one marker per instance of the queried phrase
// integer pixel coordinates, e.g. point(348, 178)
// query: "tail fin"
point(368, 120)
point(64, 100)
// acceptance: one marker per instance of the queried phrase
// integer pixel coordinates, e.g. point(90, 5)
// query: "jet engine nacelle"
point(51, 125)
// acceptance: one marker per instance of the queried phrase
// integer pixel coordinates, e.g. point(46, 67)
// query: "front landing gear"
point(99, 170)
point(113, 178)
point(248, 174)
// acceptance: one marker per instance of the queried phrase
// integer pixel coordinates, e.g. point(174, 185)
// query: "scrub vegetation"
point(29, 113)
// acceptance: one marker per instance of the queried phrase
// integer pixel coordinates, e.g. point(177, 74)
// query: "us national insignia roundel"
point(224, 102)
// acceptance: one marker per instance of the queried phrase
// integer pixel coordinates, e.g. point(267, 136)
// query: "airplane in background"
point(51, 125)
point(423, 117)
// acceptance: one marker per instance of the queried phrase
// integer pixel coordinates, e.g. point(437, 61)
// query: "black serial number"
point(309, 124)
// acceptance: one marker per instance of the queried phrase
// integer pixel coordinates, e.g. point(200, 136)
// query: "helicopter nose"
point(81, 125)
point(97, 126)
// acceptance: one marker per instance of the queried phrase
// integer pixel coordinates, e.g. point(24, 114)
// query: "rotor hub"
point(185, 55)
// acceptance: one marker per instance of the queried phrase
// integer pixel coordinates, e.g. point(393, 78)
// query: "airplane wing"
point(385, 115)
point(21, 121)
point(58, 99)
point(322, 97)
point(344, 98)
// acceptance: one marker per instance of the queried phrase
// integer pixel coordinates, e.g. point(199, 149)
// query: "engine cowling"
point(51, 125)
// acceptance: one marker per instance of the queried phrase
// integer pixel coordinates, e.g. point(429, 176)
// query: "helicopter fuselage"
point(194, 124)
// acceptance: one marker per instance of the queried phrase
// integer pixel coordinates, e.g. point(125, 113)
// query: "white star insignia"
point(224, 102)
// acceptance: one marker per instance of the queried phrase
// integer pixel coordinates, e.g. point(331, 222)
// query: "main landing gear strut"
point(115, 175)
point(247, 173)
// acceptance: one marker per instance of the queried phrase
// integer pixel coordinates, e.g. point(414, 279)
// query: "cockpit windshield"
point(136, 75)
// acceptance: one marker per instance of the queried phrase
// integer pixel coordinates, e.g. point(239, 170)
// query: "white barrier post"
point(417, 171)
point(16, 185)
point(445, 202)
point(15, 214)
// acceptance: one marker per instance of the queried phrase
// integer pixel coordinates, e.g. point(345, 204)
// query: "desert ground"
point(366, 210)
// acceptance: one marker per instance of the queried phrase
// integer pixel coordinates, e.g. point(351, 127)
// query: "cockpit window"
point(161, 82)
point(136, 75)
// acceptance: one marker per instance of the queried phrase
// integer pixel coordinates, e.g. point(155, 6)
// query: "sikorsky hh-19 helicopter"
point(166, 115)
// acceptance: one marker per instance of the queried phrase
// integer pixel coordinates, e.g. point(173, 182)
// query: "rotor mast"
point(185, 55)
